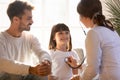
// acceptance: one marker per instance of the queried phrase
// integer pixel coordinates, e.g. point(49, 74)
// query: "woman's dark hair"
point(17, 8)
point(93, 10)
point(57, 28)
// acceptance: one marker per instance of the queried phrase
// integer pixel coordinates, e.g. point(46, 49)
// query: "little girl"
point(60, 47)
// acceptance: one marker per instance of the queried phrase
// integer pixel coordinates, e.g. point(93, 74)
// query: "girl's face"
point(87, 21)
point(62, 37)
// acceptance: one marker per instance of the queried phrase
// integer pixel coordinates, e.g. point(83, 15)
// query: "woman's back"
point(110, 49)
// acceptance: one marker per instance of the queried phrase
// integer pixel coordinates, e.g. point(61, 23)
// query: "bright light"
point(46, 14)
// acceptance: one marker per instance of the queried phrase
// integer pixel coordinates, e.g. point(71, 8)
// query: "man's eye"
point(29, 19)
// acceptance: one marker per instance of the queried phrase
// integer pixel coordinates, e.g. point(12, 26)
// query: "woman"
point(102, 43)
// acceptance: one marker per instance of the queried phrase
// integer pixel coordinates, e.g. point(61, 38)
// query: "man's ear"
point(16, 19)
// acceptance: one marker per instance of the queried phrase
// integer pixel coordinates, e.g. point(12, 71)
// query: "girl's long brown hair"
point(57, 28)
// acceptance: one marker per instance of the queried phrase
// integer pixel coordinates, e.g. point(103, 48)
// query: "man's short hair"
point(17, 8)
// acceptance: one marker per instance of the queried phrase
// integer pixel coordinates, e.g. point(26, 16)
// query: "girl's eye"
point(67, 32)
point(60, 33)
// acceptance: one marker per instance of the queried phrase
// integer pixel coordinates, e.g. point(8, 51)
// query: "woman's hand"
point(75, 77)
point(72, 61)
point(51, 77)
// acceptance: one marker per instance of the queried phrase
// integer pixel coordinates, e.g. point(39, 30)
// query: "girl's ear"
point(54, 38)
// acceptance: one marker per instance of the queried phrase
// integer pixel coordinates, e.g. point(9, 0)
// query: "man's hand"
point(43, 69)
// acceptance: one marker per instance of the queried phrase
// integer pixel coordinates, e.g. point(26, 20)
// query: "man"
point(16, 46)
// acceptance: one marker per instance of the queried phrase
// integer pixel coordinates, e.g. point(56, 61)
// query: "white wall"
point(46, 14)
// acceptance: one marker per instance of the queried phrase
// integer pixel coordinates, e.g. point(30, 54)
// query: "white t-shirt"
point(103, 54)
point(59, 67)
point(16, 53)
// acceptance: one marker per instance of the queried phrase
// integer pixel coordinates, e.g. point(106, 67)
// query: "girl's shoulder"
point(51, 52)
point(74, 53)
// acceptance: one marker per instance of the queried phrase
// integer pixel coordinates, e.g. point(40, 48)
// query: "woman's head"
point(92, 10)
point(88, 8)
point(60, 33)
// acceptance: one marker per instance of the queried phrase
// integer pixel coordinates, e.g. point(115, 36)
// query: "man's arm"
point(12, 67)
point(39, 52)
point(43, 56)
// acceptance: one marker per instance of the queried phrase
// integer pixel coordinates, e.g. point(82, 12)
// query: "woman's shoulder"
point(98, 30)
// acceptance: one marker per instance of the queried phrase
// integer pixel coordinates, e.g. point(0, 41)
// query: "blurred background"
point(48, 13)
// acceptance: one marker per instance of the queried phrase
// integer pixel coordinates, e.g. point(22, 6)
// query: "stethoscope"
point(66, 60)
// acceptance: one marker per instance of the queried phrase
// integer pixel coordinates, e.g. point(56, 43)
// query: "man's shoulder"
point(27, 34)
point(2, 37)
point(2, 34)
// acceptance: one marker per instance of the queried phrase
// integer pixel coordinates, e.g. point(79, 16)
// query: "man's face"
point(26, 21)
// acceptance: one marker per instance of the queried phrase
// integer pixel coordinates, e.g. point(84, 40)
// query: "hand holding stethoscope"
point(73, 62)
